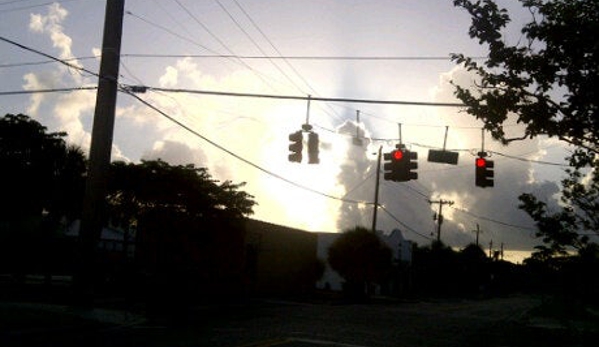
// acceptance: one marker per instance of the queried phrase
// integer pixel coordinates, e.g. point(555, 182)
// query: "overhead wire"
point(280, 55)
point(22, 8)
point(236, 156)
point(492, 220)
point(403, 224)
point(232, 57)
point(306, 98)
point(127, 90)
point(50, 90)
point(61, 61)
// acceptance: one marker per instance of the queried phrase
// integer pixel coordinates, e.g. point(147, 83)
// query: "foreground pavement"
point(262, 323)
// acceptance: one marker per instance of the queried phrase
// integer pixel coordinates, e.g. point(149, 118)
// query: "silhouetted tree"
point(436, 270)
point(40, 172)
point(548, 81)
point(474, 269)
point(41, 181)
point(189, 228)
point(361, 258)
point(156, 185)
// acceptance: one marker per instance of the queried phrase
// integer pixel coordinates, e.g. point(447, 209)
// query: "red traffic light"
point(481, 162)
point(397, 155)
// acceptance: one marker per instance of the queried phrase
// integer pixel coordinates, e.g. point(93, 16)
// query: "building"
point(279, 260)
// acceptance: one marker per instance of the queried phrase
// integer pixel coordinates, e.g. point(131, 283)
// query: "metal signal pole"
point(99, 156)
point(376, 189)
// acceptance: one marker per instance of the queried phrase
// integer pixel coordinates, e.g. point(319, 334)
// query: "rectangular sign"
point(446, 157)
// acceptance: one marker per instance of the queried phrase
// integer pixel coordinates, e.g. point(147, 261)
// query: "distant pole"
point(491, 249)
point(441, 202)
point(477, 231)
point(99, 155)
point(376, 189)
point(440, 221)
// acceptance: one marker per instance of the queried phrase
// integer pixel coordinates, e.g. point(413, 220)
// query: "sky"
point(237, 46)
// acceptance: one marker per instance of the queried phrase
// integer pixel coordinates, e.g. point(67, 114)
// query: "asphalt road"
point(264, 323)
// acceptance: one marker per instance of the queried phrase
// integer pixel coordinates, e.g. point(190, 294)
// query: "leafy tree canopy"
point(156, 185)
point(359, 256)
point(39, 170)
point(549, 81)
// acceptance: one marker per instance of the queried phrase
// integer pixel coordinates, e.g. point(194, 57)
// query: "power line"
point(22, 8)
point(493, 220)
point(52, 90)
point(295, 57)
point(62, 61)
point(236, 56)
point(404, 224)
point(236, 156)
point(306, 98)
point(529, 160)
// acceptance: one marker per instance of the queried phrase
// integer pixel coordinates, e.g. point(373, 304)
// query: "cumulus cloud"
point(71, 112)
point(51, 24)
point(175, 153)
point(494, 209)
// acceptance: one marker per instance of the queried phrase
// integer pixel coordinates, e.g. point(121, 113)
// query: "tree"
point(190, 229)
point(360, 257)
point(548, 81)
point(152, 185)
point(41, 181)
point(40, 172)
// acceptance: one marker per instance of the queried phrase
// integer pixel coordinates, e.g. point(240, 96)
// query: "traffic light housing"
point(391, 165)
point(296, 146)
point(412, 165)
point(313, 148)
point(484, 172)
point(400, 165)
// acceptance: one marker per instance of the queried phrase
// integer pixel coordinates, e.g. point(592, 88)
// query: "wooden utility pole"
point(441, 202)
point(376, 189)
point(99, 156)
point(477, 231)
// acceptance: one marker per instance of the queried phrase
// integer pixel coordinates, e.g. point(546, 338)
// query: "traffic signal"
point(400, 165)
point(296, 146)
point(313, 148)
point(393, 162)
point(484, 172)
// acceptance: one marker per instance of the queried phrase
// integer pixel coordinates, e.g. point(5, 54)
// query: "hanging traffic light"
point(296, 146)
point(391, 167)
point(484, 172)
point(313, 148)
point(400, 165)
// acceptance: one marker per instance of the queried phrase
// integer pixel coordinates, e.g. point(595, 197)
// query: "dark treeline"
point(181, 237)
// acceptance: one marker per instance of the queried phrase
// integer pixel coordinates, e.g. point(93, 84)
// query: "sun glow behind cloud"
point(257, 129)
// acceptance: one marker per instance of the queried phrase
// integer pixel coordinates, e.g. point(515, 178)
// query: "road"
point(265, 323)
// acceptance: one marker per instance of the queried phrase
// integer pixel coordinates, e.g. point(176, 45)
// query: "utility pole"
point(99, 156)
point(491, 249)
point(376, 189)
point(441, 202)
point(477, 231)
